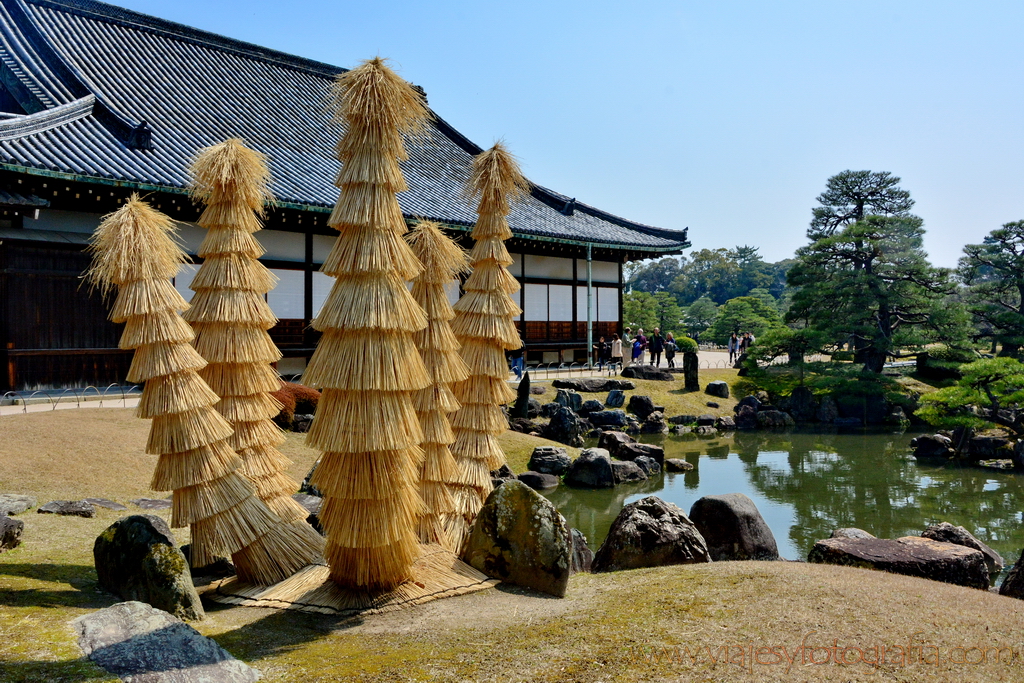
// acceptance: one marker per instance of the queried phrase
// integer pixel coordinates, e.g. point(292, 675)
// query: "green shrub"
point(842, 355)
point(950, 354)
point(686, 345)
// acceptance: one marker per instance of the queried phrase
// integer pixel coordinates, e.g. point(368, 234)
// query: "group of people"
point(738, 344)
point(656, 345)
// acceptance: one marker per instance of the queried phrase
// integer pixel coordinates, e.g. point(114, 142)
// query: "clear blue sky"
point(726, 117)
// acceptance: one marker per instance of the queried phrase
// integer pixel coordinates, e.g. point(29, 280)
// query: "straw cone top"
point(132, 244)
point(497, 182)
point(374, 97)
point(230, 171)
point(443, 260)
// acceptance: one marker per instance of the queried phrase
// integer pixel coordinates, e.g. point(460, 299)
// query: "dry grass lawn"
point(720, 622)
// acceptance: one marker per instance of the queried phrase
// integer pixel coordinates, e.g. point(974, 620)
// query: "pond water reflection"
point(806, 484)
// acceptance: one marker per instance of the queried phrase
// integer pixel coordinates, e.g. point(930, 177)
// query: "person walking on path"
point(642, 339)
point(616, 350)
point(602, 351)
point(627, 343)
point(670, 350)
point(734, 345)
point(657, 345)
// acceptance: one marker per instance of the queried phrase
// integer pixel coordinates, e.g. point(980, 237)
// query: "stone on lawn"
point(608, 418)
point(641, 406)
point(655, 423)
point(717, 388)
point(594, 384)
point(677, 465)
point(591, 405)
point(105, 503)
point(137, 559)
point(538, 480)
point(706, 420)
point(650, 533)
point(733, 528)
point(15, 504)
point(549, 460)
point(142, 644)
point(682, 419)
point(910, 555)
point(570, 399)
point(616, 398)
point(68, 508)
point(520, 538)
point(565, 427)
point(10, 532)
point(612, 441)
point(627, 472)
point(593, 470)
point(957, 534)
point(152, 503)
point(647, 372)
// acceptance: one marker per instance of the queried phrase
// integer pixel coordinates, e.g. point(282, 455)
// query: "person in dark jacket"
point(603, 351)
point(670, 350)
point(656, 344)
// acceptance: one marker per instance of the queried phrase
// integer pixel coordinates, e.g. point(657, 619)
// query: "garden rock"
point(538, 389)
point(641, 406)
point(302, 423)
point(650, 466)
point(548, 409)
point(677, 465)
point(631, 451)
point(1013, 584)
point(654, 424)
point(616, 399)
point(310, 503)
point(590, 406)
point(847, 422)
point(594, 384)
point(137, 559)
point(682, 419)
point(612, 441)
point(608, 418)
point(152, 503)
point(828, 411)
point(712, 404)
point(706, 420)
point(501, 475)
point(10, 532)
point(15, 504)
point(802, 405)
point(774, 419)
point(632, 426)
point(932, 447)
point(989, 447)
point(650, 533)
point(141, 644)
point(566, 427)
point(751, 401)
point(717, 388)
point(1018, 456)
point(582, 555)
point(691, 381)
point(910, 555)
point(549, 460)
point(705, 430)
point(948, 533)
point(105, 503)
point(538, 481)
point(593, 470)
point(533, 408)
point(733, 529)
point(627, 472)
point(851, 532)
point(570, 399)
point(519, 537)
point(647, 372)
point(68, 508)
point(725, 423)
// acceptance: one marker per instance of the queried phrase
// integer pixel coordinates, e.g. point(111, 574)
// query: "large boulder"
point(616, 398)
point(850, 532)
point(608, 418)
point(654, 424)
point(15, 504)
point(582, 555)
point(748, 400)
point(565, 427)
point(570, 399)
point(594, 384)
point(682, 419)
point(139, 643)
point(677, 465)
point(10, 532)
point(774, 419)
point(650, 466)
point(1013, 584)
point(733, 529)
point(910, 555)
point(533, 408)
point(746, 418)
point(549, 460)
point(989, 447)
point(828, 411)
point(68, 508)
point(717, 388)
point(802, 405)
point(630, 451)
point(592, 470)
point(137, 559)
point(691, 381)
point(612, 441)
point(647, 372)
point(520, 538)
point(539, 481)
point(948, 533)
point(932, 447)
point(521, 408)
point(650, 533)
point(725, 423)
point(641, 406)
point(627, 472)
point(590, 406)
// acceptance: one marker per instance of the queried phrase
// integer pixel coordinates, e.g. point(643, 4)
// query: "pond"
point(806, 484)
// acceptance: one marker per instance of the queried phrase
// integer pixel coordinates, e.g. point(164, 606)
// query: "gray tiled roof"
point(118, 95)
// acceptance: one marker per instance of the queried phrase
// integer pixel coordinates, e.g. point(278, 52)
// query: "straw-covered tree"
point(135, 254)
point(366, 362)
point(231, 317)
point(483, 325)
point(443, 261)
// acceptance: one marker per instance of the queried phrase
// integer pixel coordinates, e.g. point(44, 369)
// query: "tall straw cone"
point(231, 319)
point(366, 362)
point(134, 253)
point(483, 325)
point(443, 261)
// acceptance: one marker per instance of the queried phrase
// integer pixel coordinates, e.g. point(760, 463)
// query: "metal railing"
point(77, 395)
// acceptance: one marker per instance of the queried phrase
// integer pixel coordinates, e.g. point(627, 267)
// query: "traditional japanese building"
point(97, 102)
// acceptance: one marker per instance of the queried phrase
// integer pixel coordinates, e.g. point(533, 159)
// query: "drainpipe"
point(590, 311)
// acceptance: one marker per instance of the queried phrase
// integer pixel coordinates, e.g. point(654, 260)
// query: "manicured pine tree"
point(135, 254)
point(231, 317)
point(484, 326)
point(443, 261)
point(366, 362)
